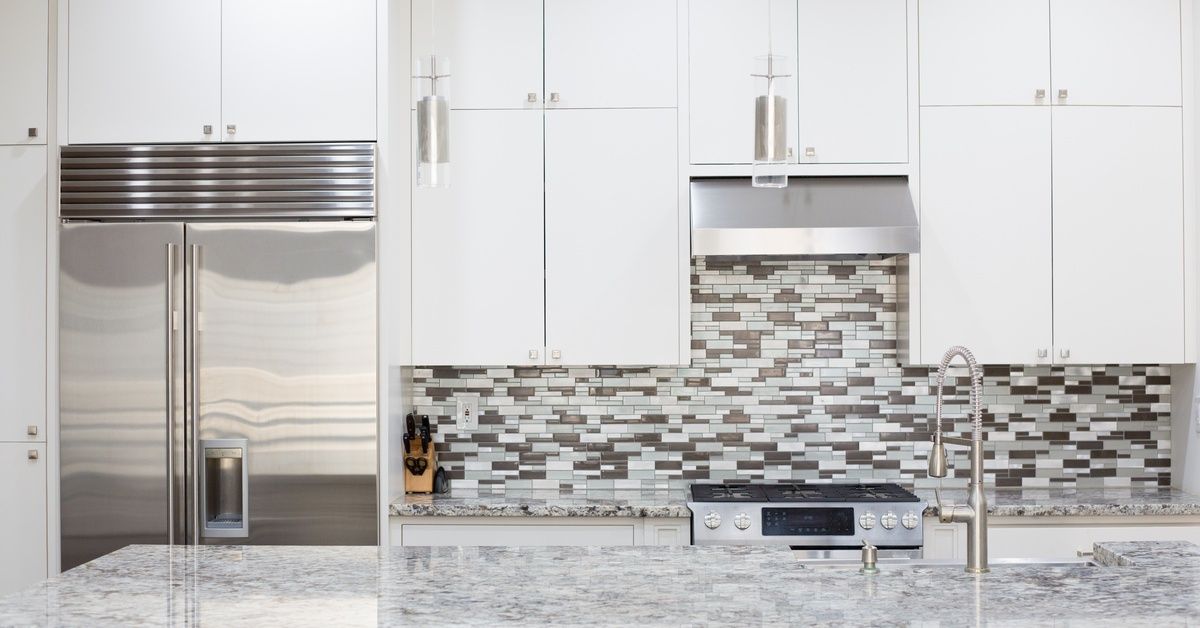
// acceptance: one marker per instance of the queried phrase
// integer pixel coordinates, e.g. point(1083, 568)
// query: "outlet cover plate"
point(466, 413)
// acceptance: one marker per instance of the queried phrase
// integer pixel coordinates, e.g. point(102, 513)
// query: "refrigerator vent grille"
point(197, 181)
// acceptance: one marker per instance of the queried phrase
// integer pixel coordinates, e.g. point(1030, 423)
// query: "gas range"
point(807, 516)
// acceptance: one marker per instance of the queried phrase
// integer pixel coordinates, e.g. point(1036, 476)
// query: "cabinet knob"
point(1064, 353)
point(531, 97)
point(231, 129)
point(1062, 94)
point(32, 454)
point(1043, 353)
point(533, 354)
point(208, 129)
point(1039, 94)
point(32, 430)
point(790, 152)
point(810, 151)
point(33, 132)
point(556, 355)
point(554, 97)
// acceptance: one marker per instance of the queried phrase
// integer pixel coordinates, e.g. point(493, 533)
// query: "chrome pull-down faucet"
point(974, 512)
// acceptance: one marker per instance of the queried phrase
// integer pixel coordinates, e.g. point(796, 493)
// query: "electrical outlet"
point(466, 413)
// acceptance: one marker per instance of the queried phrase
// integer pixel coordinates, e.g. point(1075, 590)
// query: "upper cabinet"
point(982, 52)
point(143, 71)
point(220, 70)
point(1061, 52)
point(494, 48)
point(852, 76)
point(1116, 52)
point(610, 54)
point(297, 70)
point(23, 49)
point(848, 61)
point(724, 37)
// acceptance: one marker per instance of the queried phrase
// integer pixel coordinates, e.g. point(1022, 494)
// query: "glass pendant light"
point(432, 85)
point(770, 117)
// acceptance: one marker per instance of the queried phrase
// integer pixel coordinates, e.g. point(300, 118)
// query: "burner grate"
point(801, 492)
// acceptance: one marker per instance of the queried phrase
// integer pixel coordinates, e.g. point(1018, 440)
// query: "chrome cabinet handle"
point(556, 354)
point(33, 454)
point(554, 97)
point(1062, 94)
point(810, 151)
point(1064, 353)
point(31, 430)
point(533, 354)
point(1039, 94)
point(33, 132)
point(1043, 353)
point(231, 129)
point(531, 97)
point(208, 129)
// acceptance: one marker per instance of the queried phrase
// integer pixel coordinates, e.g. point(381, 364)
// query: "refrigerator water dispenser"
point(223, 489)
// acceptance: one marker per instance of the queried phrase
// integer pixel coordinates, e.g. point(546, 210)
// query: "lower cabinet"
point(1055, 537)
point(538, 531)
point(23, 526)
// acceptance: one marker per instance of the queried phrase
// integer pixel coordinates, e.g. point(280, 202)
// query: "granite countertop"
point(1151, 584)
point(1027, 502)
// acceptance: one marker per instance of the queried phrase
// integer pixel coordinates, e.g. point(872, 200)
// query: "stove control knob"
point(910, 520)
point(888, 520)
point(742, 521)
point(712, 520)
point(866, 520)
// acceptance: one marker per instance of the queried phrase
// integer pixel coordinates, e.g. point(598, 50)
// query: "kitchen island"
point(1139, 584)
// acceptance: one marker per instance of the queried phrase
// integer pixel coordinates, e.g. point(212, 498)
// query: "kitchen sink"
point(997, 563)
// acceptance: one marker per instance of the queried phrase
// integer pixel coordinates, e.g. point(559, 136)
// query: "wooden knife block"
point(420, 483)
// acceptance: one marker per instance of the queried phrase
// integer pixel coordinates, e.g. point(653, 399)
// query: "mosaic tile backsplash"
point(794, 376)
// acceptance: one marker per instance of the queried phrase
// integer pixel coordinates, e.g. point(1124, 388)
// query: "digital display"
point(808, 521)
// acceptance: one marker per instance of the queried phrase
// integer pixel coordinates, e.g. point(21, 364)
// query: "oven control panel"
point(806, 521)
point(887, 525)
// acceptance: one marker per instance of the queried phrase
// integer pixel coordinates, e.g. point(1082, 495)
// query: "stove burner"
point(801, 492)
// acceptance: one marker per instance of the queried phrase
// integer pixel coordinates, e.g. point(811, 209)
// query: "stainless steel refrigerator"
point(217, 316)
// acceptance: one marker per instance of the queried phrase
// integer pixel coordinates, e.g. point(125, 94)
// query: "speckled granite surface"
point(598, 503)
point(1027, 502)
point(1156, 584)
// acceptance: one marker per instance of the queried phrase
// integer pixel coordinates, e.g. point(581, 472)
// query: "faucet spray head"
point(937, 458)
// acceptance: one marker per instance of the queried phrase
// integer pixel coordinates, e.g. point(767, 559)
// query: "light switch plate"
point(466, 413)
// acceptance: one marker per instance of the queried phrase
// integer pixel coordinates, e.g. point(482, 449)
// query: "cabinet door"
point(612, 237)
point(23, 71)
point(298, 70)
point(983, 52)
point(724, 37)
point(143, 71)
point(494, 48)
point(23, 529)
point(986, 232)
point(1118, 235)
point(478, 257)
point(1116, 52)
point(853, 81)
point(611, 53)
point(23, 310)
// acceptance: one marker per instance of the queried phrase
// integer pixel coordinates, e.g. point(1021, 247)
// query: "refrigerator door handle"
point(194, 402)
point(171, 328)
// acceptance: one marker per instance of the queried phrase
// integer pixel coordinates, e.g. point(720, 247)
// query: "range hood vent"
point(823, 217)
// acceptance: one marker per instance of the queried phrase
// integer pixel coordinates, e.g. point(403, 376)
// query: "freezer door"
point(283, 345)
point(121, 388)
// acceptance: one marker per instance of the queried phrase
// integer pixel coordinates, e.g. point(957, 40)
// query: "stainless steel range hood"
point(842, 217)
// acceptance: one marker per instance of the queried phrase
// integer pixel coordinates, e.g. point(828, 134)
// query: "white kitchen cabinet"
point(297, 70)
point(612, 231)
point(1055, 537)
point(144, 71)
point(611, 53)
point(986, 265)
point(1118, 235)
point(23, 281)
point(852, 80)
point(23, 527)
point(494, 48)
point(24, 43)
point(1116, 52)
point(538, 531)
point(724, 37)
point(478, 297)
point(983, 52)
